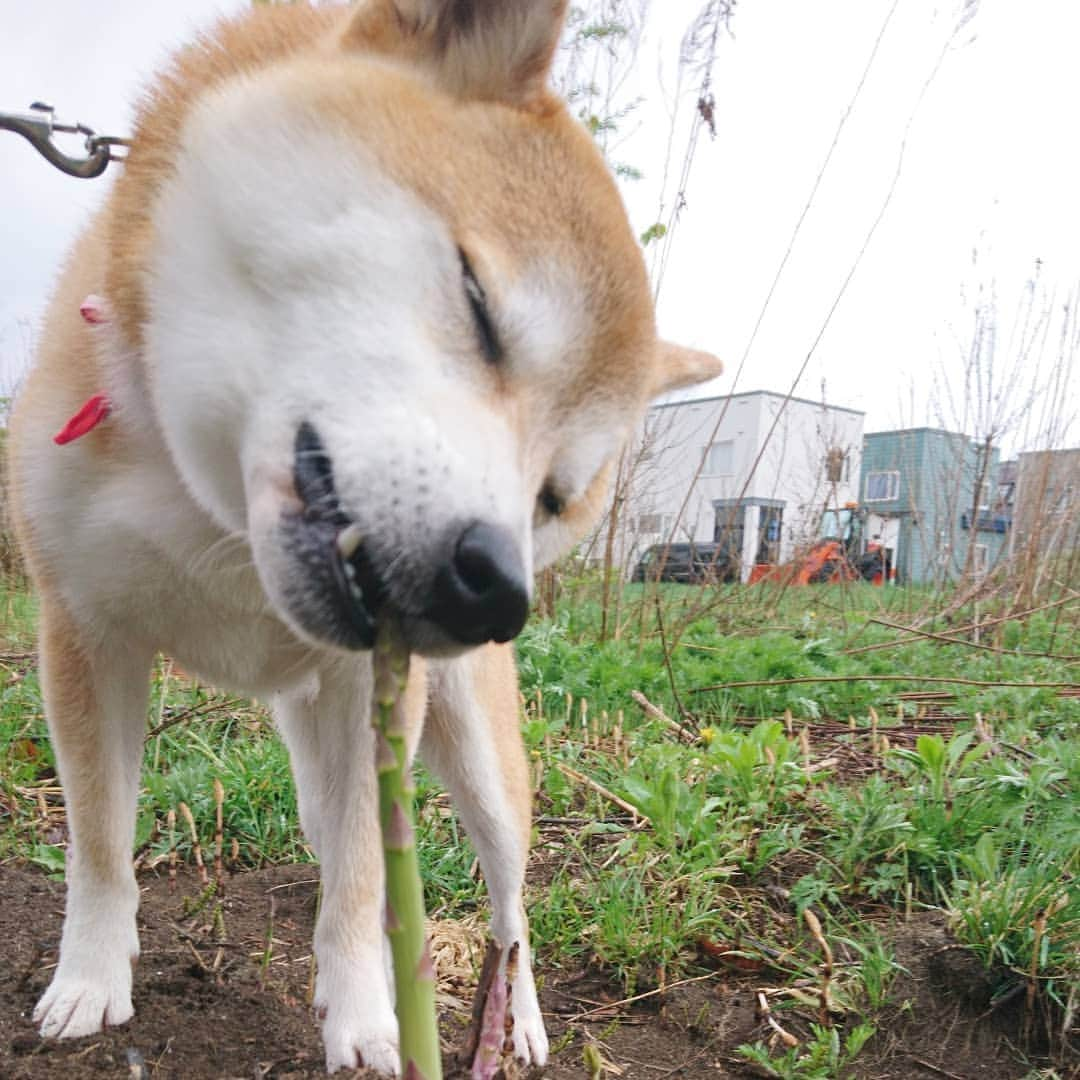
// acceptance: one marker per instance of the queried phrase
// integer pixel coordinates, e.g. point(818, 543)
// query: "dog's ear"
point(678, 366)
point(492, 50)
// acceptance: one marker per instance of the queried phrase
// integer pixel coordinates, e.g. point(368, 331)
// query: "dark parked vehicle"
point(692, 564)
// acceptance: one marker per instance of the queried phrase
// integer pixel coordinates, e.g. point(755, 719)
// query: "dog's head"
point(400, 327)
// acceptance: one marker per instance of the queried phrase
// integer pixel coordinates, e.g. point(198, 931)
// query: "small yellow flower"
point(707, 735)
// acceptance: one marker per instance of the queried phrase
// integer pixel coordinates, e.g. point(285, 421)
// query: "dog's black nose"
point(481, 593)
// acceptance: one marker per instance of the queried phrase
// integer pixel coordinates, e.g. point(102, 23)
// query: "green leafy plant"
point(825, 1057)
point(944, 766)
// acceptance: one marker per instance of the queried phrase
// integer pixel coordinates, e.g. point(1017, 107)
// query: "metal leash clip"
point(40, 124)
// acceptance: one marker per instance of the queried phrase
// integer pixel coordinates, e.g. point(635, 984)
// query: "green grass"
point(837, 796)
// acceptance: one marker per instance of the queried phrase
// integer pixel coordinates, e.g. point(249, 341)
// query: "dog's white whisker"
point(203, 561)
point(394, 563)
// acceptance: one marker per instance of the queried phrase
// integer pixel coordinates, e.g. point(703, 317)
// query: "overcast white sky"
point(989, 163)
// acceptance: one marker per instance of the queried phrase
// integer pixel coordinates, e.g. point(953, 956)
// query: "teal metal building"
point(930, 498)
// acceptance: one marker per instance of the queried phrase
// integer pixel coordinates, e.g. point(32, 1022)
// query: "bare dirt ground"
point(227, 997)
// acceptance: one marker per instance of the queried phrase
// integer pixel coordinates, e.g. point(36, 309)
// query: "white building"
point(756, 467)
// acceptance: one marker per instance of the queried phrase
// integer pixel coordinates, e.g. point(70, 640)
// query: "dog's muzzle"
point(472, 584)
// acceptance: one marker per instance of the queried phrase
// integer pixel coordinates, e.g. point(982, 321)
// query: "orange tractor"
point(835, 555)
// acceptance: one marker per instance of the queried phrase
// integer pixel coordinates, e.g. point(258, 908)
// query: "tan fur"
point(509, 63)
point(499, 698)
point(69, 691)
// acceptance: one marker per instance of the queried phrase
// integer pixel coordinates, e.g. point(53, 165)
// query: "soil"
point(213, 1001)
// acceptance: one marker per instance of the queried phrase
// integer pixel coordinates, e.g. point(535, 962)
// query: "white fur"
point(92, 984)
point(329, 735)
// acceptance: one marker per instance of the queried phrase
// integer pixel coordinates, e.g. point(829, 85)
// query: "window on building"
point(836, 465)
point(728, 528)
point(770, 531)
point(882, 486)
point(651, 523)
point(719, 459)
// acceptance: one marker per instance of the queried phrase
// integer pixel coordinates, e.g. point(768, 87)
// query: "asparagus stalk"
point(414, 975)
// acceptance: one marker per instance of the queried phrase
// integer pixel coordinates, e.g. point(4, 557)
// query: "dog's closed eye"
point(478, 303)
point(550, 501)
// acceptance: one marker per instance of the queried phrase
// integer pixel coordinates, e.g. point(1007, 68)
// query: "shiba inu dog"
point(359, 333)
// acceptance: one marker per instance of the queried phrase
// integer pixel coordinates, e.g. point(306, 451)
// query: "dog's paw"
point(362, 1038)
point(358, 1029)
point(530, 1038)
point(77, 1005)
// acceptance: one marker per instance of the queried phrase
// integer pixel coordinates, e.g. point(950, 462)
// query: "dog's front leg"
point(473, 741)
point(95, 702)
point(327, 728)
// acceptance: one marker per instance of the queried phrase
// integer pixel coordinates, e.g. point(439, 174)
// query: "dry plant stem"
point(414, 976)
point(931, 1067)
point(1013, 616)
point(951, 679)
point(814, 925)
point(607, 1010)
point(207, 708)
point(603, 792)
point(656, 713)
point(170, 821)
point(166, 678)
point(765, 1013)
point(1033, 974)
point(196, 847)
point(1041, 920)
point(219, 800)
point(666, 650)
point(950, 640)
